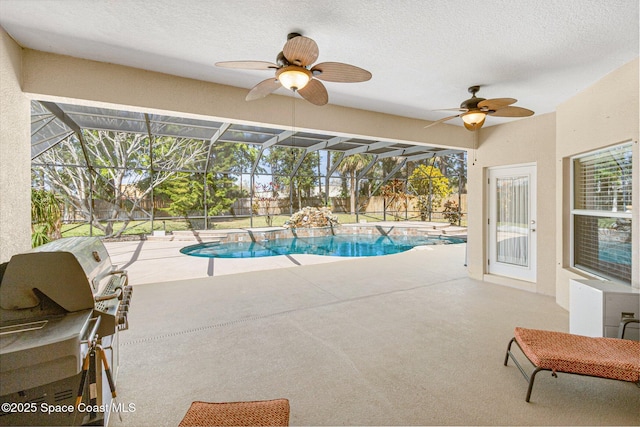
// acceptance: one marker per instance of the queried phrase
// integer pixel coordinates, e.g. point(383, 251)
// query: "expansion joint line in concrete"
point(204, 328)
point(280, 313)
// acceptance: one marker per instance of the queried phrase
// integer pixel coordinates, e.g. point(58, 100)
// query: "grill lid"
point(68, 271)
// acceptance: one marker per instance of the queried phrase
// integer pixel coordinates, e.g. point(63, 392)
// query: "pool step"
point(447, 230)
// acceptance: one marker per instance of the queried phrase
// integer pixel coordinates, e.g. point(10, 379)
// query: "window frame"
point(573, 211)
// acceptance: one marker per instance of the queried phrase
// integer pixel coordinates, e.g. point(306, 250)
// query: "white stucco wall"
point(605, 114)
point(15, 153)
point(525, 141)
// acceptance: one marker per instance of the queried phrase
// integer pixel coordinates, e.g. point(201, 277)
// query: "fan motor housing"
point(471, 103)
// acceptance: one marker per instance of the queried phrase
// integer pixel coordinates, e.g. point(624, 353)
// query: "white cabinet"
point(596, 308)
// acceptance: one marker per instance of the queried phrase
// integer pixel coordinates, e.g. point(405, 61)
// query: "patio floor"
point(405, 339)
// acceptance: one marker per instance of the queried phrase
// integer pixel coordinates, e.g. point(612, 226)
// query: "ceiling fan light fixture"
point(474, 110)
point(293, 77)
point(294, 70)
point(474, 118)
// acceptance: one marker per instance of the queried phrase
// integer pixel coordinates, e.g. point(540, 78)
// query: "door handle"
point(533, 222)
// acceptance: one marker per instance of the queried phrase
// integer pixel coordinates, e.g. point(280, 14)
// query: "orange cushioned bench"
point(612, 358)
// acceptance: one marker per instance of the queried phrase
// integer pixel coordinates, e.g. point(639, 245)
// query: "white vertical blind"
point(602, 180)
point(512, 220)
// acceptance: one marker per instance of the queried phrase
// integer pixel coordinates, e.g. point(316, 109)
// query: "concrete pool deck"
point(148, 261)
point(404, 339)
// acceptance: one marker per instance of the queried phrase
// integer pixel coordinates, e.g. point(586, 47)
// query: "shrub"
point(451, 212)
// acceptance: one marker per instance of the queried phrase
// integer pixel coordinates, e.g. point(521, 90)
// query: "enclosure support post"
point(356, 196)
point(91, 175)
point(384, 208)
point(216, 136)
point(290, 196)
point(430, 200)
point(253, 185)
point(150, 135)
point(326, 182)
point(406, 208)
point(459, 200)
point(204, 202)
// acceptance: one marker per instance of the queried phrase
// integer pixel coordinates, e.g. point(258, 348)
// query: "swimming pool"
point(343, 245)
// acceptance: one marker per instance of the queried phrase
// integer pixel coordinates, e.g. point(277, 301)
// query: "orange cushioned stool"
point(257, 413)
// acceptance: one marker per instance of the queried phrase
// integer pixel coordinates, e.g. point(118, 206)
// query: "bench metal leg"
point(533, 377)
point(529, 379)
point(506, 356)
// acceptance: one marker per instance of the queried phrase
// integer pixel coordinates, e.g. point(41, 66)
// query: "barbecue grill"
point(61, 308)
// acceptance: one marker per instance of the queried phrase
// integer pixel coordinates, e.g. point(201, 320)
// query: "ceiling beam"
point(214, 138)
point(297, 165)
point(57, 111)
point(404, 151)
point(60, 137)
point(336, 164)
point(277, 138)
point(367, 147)
point(269, 143)
point(440, 153)
point(366, 168)
point(327, 144)
point(316, 147)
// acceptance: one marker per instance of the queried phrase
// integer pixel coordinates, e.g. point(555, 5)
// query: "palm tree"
point(350, 166)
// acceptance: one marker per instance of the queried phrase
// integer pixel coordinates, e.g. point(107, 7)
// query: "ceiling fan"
point(293, 70)
point(474, 110)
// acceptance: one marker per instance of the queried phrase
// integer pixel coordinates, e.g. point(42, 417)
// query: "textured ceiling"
point(423, 54)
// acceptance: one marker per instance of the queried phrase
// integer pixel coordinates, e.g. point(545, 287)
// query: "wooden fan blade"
point(339, 72)
point(301, 51)
point(315, 92)
point(247, 65)
point(263, 89)
point(496, 103)
point(442, 120)
point(512, 112)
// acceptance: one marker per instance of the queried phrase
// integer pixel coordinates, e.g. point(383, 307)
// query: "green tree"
point(454, 166)
point(431, 187)
point(185, 194)
point(282, 161)
point(46, 217)
point(222, 192)
point(232, 158)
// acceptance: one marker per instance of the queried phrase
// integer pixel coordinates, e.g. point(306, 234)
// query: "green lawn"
point(144, 227)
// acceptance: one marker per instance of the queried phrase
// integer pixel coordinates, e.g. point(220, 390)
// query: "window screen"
point(601, 212)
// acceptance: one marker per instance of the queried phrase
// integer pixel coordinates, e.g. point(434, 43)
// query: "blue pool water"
point(346, 245)
point(615, 252)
